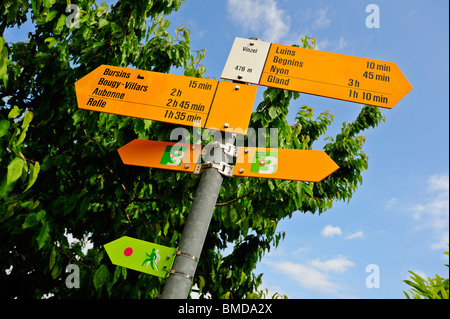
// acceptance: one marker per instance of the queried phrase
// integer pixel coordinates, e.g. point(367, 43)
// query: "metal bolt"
point(193, 147)
point(252, 43)
point(237, 87)
point(246, 150)
point(241, 170)
point(186, 166)
point(226, 125)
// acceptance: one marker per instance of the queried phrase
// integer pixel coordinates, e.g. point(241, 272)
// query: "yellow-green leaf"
point(14, 170)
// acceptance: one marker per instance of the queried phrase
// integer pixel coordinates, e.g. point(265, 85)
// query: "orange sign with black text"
point(332, 75)
point(167, 98)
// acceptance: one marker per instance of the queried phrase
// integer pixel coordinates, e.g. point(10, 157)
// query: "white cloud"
point(330, 231)
point(339, 264)
point(332, 45)
point(391, 202)
point(321, 19)
point(342, 43)
point(358, 234)
point(261, 17)
point(441, 243)
point(308, 277)
point(433, 211)
point(315, 275)
point(430, 210)
point(438, 183)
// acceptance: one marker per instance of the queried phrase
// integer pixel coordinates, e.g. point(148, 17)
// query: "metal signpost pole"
point(180, 279)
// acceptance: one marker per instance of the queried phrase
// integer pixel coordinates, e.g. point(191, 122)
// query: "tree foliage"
point(430, 288)
point(63, 174)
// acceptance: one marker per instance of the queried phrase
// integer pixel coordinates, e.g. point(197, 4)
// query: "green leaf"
point(52, 259)
point(70, 204)
point(43, 236)
point(30, 221)
point(201, 283)
point(4, 126)
point(51, 15)
point(14, 170)
point(273, 112)
point(233, 215)
point(49, 3)
point(33, 5)
point(28, 117)
point(51, 41)
point(26, 121)
point(243, 278)
point(101, 277)
point(444, 293)
point(434, 294)
point(272, 94)
point(14, 112)
point(117, 273)
point(307, 189)
point(34, 171)
point(60, 24)
point(166, 228)
point(416, 286)
point(102, 22)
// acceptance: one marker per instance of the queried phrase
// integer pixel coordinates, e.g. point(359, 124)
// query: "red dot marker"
point(128, 251)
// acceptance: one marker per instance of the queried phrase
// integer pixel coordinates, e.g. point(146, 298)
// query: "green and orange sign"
point(165, 155)
point(289, 164)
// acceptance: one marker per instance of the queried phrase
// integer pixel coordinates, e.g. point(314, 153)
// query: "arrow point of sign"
point(112, 252)
point(288, 164)
point(401, 86)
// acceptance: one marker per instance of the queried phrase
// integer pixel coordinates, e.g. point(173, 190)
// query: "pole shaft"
point(194, 233)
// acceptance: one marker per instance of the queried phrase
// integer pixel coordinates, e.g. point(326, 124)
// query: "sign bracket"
point(223, 168)
point(228, 149)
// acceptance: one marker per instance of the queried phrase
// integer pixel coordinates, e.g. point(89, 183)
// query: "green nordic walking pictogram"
point(152, 259)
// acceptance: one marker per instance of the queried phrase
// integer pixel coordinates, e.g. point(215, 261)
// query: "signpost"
point(166, 98)
point(224, 105)
point(332, 75)
point(140, 255)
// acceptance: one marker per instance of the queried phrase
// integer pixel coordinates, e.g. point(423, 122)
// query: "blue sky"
point(398, 220)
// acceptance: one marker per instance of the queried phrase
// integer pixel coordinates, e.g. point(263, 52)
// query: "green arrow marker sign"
point(141, 255)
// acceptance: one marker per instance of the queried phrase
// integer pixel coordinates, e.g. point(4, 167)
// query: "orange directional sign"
point(165, 155)
point(332, 75)
point(166, 97)
point(288, 164)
